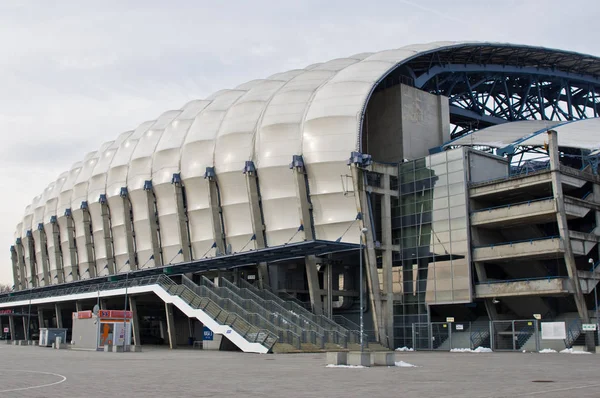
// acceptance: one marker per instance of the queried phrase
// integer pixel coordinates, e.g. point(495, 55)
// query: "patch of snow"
point(476, 350)
point(403, 364)
point(548, 351)
point(346, 366)
point(404, 349)
point(572, 351)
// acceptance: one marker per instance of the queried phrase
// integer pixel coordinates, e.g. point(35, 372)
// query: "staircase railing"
point(237, 322)
point(573, 331)
point(317, 334)
point(252, 318)
point(320, 320)
point(353, 328)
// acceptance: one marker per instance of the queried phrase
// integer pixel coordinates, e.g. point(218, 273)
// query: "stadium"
point(432, 190)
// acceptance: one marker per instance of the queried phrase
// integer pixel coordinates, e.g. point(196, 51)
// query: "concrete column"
point(44, 255)
point(154, 229)
point(563, 228)
point(15, 268)
point(31, 264)
point(58, 311)
point(135, 325)
point(306, 220)
point(25, 327)
point(129, 232)
point(103, 304)
point(73, 269)
point(11, 326)
point(171, 325)
point(41, 320)
point(21, 263)
point(370, 259)
point(258, 225)
point(57, 253)
point(182, 219)
point(387, 270)
point(107, 235)
point(78, 306)
point(89, 242)
point(314, 290)
point(216, 211)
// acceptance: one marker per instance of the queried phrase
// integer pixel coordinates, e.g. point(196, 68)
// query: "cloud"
point(75, 74)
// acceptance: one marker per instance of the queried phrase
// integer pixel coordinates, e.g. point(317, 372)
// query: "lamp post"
point(363, 231)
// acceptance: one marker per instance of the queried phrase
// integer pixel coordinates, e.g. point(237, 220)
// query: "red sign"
point(118, 314)
point(82, 315)
point(4, 312)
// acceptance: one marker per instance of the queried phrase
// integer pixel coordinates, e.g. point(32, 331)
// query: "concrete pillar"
point(90, 265)
point(306, 220)
point(563, 229)
point(182, 219)
point(57, 253)
point(25, 320)
point(78, 306)
point(21, 263)
point(44, 255)
point(154, 230)
point(387, 270)
point(216, 211)
point(41, 319)
point(170, 325)
point(11, 326)
point(15, 268)
point(107, 235)
point(135, 325)
point(129, 232)
point(58, 311)
point(32, 268)
point(369, 259)
point(73, 269)
point(103, 304)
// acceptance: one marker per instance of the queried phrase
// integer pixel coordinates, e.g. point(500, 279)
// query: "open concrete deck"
point(187, 373)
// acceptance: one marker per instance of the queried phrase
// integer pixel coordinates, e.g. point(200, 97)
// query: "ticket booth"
point(108, 327)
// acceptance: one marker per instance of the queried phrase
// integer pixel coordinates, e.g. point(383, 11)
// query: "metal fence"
point(505, 335)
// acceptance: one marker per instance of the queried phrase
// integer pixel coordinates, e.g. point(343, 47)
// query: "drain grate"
point(542, 381)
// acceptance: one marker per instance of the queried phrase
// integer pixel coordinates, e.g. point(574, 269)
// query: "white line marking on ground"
point(64, 378)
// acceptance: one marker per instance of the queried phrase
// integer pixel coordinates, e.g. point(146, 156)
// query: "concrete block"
point(108, 348)
point(118, 348)
point(358, 358)
point(337, 358)
point(135, 348)
point(383, 358)
point(15, 342)
point(22, 342)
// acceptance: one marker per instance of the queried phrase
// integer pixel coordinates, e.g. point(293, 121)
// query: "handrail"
point(542, 278)
point(519, 241)
point(231, 306)
point(514, 204)
point(506, 178)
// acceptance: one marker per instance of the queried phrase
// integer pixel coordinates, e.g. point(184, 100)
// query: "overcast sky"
point(75, 74)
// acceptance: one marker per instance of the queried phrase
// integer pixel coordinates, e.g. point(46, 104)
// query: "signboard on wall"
point(553, 331)
point(207, 334)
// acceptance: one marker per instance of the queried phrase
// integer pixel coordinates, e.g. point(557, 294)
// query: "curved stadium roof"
point(315, 112)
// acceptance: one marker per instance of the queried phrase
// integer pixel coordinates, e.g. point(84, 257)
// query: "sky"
point(75, 74)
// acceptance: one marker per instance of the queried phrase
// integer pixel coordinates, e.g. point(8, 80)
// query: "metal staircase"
point(333, 332)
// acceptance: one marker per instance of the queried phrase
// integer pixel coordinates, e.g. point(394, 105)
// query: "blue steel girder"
point(481, 95)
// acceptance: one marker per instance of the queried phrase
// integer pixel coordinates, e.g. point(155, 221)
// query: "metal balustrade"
point(320, 320)
point(257, 319)
point(317, 334)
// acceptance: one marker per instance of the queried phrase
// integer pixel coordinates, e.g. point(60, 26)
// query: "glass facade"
point(430, 224)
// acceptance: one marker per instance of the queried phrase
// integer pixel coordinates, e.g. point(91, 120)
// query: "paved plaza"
point(158, 372)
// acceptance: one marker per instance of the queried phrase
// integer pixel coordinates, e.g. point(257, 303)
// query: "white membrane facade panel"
point(279, 138)
point(28, 219)
point(49, 213)
point(116, 180)
point(166, 163)
point(235, 146)
point(80, 195)
point(37, 228)
point(140, 171)
point(64, 204)
point(96, 189)
point(197, 154)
